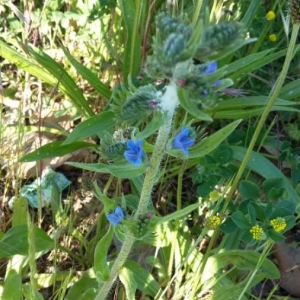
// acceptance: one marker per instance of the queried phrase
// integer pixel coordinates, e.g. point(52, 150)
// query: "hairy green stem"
point(169, 104)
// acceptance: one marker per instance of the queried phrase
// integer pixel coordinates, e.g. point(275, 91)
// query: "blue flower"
point(182, 141)
point(210, 69)
point(135, 152)
point(116, 217)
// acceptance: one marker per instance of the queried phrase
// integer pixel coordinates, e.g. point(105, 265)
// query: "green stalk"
point(170, 101)
point(267, 248)
point(273, 96)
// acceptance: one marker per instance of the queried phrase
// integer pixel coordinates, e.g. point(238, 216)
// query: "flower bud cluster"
point(295, 11)
point(142, 224)
point(140, 104)
point(169, 46)
point(216, 38)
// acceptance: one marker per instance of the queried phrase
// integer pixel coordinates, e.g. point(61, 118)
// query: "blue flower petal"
point(119, 212)
point(135, 152)
point(182, 141)
point(116, 217)
point(211, 68)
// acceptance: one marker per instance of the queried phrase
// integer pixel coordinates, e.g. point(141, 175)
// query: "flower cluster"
point(258, 233)
point(279, 224)
point(213, 222)
point(116, 217)
point(272, 37)
point(270, 15)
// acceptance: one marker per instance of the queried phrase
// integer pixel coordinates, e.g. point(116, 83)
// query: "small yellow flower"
point(272, 37)
point(278, 224)
point(212, 222)
point(257, 233)
point(270, 15)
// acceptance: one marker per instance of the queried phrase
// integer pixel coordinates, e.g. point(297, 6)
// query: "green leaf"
point(87, 281)
point(101, 252)
point(12, 286)
point(262, 166)
point(210, 143)
point(275, 236)
point(191, 107)
point(87, 74)
point(291, 90)
point(252, 213)
point(240, 220)
point(247, 107)
point(92, 126)
point(66, 82)
point(144, 280)
point(15, 241)
point(127, 278)
point(240, 259)
point(248, 190)
point(20, 211)
point(178, 214)
point(272, 187)
point(55, 149)
point(119, 171)
point(132, 13)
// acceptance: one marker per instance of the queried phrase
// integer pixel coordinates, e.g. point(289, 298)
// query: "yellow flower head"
point(270, 15)
point(212, 222)
point(257, 233)
point(272, 37)
point(278, 224)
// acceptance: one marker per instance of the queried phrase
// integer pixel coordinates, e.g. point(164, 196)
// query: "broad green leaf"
point(55, 149)
point(15, 241)
point(20, 211)
point(210, 143)
point(66, 82)
point(262, 166)
point(12, 287)
point(127, 278)
point(87, 74)
point(101, 252)
point(247, 107)
point(240, 220)
point(291, 90)
point(248, 190)
point(92, 126)
point(132, 12)
point(190, 106)
point(144, 280)
point(20, 61)
point(178, 214)
point(156, 122)
point(87, 281)
point(119, 171)
point(242, 260)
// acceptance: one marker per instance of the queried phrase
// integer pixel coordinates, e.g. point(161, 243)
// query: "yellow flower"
point(270, 15)
point(278, 224)
point(257, 233)
point(212, 222)
point(272, 37)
